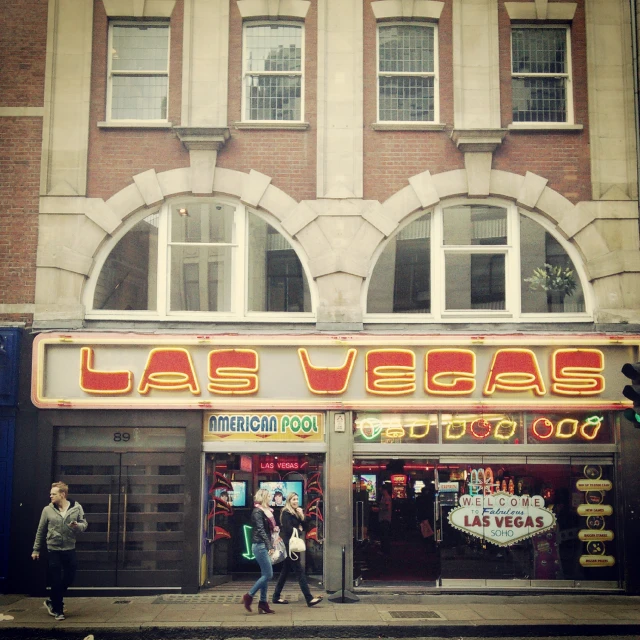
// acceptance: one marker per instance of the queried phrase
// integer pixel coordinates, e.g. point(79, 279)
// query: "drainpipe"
point(636, 100)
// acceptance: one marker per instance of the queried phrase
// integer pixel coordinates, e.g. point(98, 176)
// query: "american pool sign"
point(267, 426)
point(502, 518)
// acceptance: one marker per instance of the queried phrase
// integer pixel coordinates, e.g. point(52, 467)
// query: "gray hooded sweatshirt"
point(60, 536)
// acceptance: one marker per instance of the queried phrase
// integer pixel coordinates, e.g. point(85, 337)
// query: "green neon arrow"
point(247, 541)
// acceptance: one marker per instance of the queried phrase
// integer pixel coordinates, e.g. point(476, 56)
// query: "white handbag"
point(296, 545)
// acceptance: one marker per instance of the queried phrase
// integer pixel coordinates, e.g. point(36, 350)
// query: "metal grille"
point(273, 67)
point(139, 71)
point(273, 97)
point(273, 48)
point(539, 51)
point(406, 83)
point(540, 73)
point(539, 100)
point(406, 99)
point(407, 49)
point(415, 615)
point(206, 598)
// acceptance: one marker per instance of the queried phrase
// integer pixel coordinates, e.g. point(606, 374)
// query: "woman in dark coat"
point(264, 525)
point(292, 517)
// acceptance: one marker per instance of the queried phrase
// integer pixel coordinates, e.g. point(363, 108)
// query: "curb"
point(324, 631)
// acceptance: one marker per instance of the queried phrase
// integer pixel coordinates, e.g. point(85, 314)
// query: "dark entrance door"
point(397, 553)
point(134, 502)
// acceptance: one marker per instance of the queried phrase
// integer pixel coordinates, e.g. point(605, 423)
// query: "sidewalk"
point(219, 614)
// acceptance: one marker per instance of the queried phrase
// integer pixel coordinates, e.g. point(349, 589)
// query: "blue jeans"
point(261, 553)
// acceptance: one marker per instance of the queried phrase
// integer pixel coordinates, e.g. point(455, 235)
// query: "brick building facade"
point(386, 170)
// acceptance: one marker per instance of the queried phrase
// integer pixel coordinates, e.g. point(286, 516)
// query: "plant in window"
point(553, 279)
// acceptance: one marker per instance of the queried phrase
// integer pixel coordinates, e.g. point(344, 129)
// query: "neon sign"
point(464, 428)
point(233, 372)
point(248, 553)
point(501, 518)
point(388, 372)
point(281, 463)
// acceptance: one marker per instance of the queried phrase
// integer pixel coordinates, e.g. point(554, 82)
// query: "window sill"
point(408, 126)
point(152, 316)
point(135, 124)
point(544, 126)
point(294, 126)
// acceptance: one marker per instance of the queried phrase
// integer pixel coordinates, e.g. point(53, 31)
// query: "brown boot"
point(246, 601)
point(263, 607)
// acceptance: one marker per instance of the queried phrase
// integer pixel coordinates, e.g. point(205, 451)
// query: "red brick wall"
point(561, 157)
point(23, 36)
point(392, 157)
point(116, 155)
point(288, 157)
point(23, 42)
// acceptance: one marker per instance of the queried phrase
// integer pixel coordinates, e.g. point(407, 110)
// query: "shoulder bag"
point(296, 545)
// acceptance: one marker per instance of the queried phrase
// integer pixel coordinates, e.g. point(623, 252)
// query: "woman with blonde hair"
point(264, 525)
point(292, 517)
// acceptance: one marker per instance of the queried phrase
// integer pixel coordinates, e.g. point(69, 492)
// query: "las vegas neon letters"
point(388, 372)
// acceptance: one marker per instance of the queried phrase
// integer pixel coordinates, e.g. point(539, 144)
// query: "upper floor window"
point(200, 259)
point(273, 72)
point(407, 78)
point(541, 74)
point(138, 71)
point(475, 260)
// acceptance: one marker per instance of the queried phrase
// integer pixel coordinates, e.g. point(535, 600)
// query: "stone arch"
point(150, 190)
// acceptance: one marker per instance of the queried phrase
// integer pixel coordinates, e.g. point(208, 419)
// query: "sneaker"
point(59, 616)
point(47, 604)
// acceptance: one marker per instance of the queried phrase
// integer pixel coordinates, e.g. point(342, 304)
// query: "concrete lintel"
point(149, 187)
point(478, 166)
point(425, 189)
point(254, 188)
point(273, 8)
point(389, 9)
point(531, 190)
point(139, 8)
point(480, 140)
point(324, 265)
point(65, 259)
point(203, 168)
point(541, 10)
point(376, 216)
point(614, 263)
point(203, 138)
point(299, 218)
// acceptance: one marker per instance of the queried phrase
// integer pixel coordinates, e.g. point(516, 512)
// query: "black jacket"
point(261, 528)
point(287, 523)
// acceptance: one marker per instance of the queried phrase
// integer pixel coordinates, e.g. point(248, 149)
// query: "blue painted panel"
point(7, 432)
point(9, 359)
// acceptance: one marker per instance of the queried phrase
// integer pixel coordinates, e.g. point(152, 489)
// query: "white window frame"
point(421, 74)
point(567, 76)
point(511, 250)
point(111, 73)
point(245, 72)
point(239, 264)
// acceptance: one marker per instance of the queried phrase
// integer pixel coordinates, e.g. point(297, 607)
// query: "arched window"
point(468, 261)
point(199, 259)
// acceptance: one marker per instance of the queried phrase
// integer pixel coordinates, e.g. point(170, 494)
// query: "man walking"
point(62, 520)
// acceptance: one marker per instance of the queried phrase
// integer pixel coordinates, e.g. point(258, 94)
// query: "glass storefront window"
point(486, 428)
point(231, 481)
point(537, 521)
